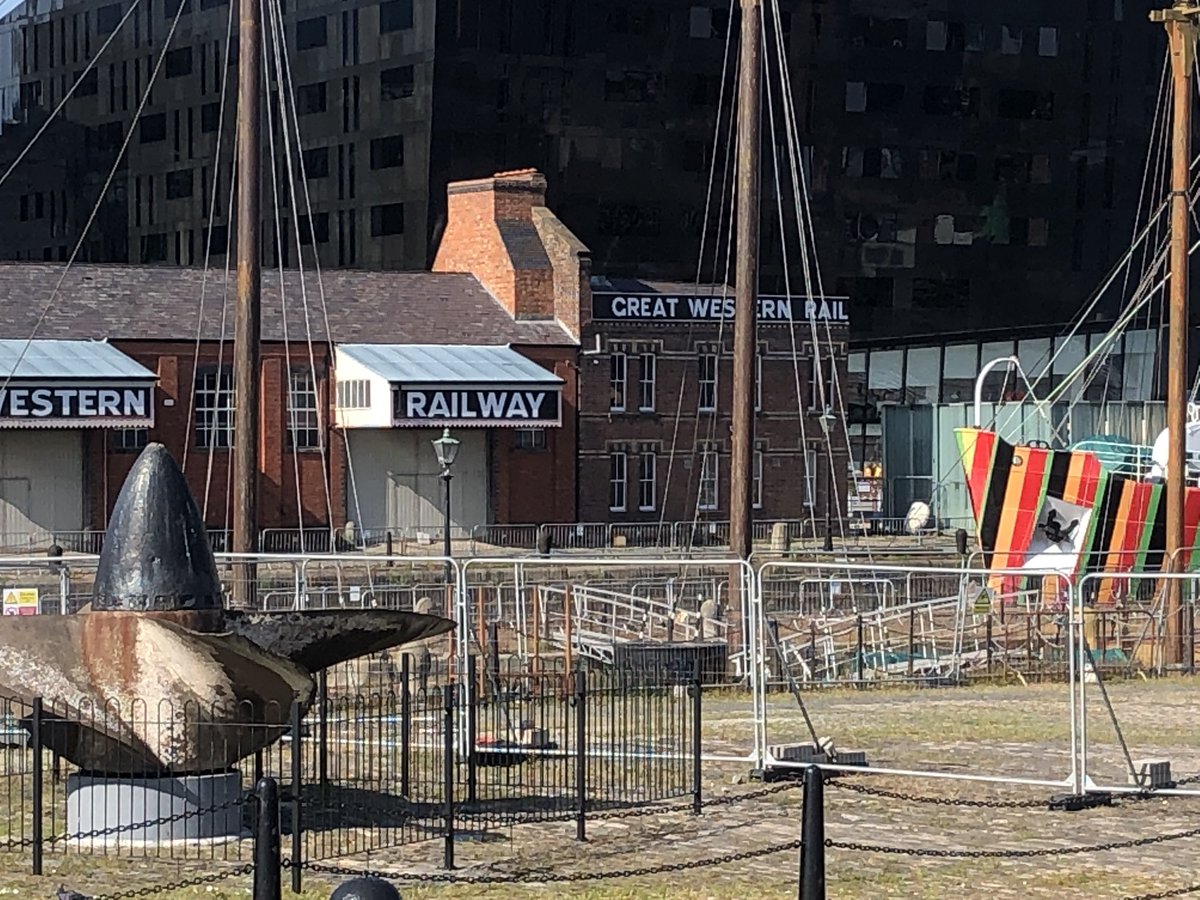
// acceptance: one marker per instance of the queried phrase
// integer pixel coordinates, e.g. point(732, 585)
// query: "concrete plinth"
point(137, 808)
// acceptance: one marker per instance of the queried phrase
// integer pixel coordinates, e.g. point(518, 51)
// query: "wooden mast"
point(745, 319)
point(248, 324)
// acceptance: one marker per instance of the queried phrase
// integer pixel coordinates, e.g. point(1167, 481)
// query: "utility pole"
point(1180, 22)
point(749, 106)
point(248, 323)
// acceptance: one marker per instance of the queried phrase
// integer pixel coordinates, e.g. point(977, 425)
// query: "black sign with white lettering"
point(772, 310)
point(81, 405)
point(520, 407)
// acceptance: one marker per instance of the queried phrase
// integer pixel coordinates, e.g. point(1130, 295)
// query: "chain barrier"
point(1012, 854)
point(535, 876)
point(152, 823)
point(938, 801)
point(1163, 895)
point(198, 881)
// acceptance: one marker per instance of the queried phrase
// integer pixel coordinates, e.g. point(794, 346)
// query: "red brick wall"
point(538, 486)
point(173, 427)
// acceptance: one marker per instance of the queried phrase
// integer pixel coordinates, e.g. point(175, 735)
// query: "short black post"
point(323, 728)
point(267, 883)
point(388, 538)
point(297, 772)
point(812, 836)
point(405, 723)
point(988, 637)
point(859, 628)
point(697, 706)
point(36, 746)
point(581, 755)
point(773, 629)
point(472, 698)
point(448, 773)
point(493, 636)
point(258, 766)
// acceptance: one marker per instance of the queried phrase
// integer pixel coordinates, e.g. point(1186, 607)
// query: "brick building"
point(655, 405)
point(336, 443)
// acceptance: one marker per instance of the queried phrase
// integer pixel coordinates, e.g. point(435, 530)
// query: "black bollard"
point(812, 836)
point(267, 884)
point(365, 889)
point(960, 541)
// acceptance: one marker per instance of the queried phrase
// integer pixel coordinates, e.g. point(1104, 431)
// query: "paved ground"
point(1017, 731)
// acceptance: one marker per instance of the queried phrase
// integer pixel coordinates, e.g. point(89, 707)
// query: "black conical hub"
point(156, 553)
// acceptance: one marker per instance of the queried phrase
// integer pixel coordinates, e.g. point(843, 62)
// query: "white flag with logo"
point(1058, 536)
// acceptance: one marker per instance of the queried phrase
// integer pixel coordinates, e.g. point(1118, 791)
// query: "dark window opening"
point(387, 219)
point(178, 63)
point(1026, 105)
point(316, 162)
point(311, 33)
point(940, 100)
point(396, 84)
point(387, 152)
point(179, 184)
point(395, 15)
point(311, 98)
point(152, 128)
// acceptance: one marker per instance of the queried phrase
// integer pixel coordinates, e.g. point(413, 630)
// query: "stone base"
point(136, 808)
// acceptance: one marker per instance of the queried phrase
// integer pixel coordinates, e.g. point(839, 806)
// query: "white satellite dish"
point(918, 517)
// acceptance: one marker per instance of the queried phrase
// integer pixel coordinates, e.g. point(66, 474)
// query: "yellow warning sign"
point(983, 602)
point(20, 601)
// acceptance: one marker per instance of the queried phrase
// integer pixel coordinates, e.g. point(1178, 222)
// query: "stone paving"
point(1011, 730)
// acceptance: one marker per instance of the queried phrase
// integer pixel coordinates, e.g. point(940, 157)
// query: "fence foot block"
point(1078, 802)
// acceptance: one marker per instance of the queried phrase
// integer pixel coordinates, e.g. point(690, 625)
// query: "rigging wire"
point(112, 173)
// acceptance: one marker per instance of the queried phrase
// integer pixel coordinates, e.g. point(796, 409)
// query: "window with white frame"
point(758, 380)
point(355, 394)
point(130, 439)
point(708, 381)
point(646, 378)
point(616, 380)
point(616, 481)
point(709, 479)
point(757, 485)
point(214, 407)
point(304, 422)
point(810, 478)
point(820, 377)
point(647, 485)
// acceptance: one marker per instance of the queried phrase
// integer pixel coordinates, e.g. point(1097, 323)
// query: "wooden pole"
point(1181, 32)
point(746, 277)
point(248, 319)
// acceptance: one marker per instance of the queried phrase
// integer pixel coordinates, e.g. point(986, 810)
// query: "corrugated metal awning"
point(45, 360)
point(435, 364)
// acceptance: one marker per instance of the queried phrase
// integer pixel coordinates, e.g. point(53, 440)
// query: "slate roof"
point(161, 303)
point(66, 359)
point(436, 364)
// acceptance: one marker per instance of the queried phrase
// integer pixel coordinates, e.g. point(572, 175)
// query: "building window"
point(757, 484)
point(354, 394)
point(1011, 40)
point(876, 97)
point(942, 100)
point(531, 438)
point(316, 162)
point(179, 184)
point(153, 128)
point(616, 382)
point(1047, 42)
point(1015, 104)
point(311, 98)
point(758, 380)
point(821, 383)
point(396, 84)
point(395, 15)
point(646, 378)
point(210, 117)
point(387, 152)
point(314, 229)
point(311, 33)
point(631, 87)
point(304, 426)
point(709, 479)
point(214, 406)
point(708, 382)
point(108, 18)
point(154, 248)
point(87, 85)
point(129, 440)
point(173, 8)
point(387, 219)
point(647, 492)
point(178, 63)
point(616, 482)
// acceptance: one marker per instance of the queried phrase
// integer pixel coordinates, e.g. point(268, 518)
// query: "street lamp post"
point(826, 421)
point(446, 448)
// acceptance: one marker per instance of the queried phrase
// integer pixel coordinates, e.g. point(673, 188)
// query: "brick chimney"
point(499, 230)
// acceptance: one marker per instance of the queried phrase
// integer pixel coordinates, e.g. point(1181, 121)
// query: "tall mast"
point(746, 277)
point(1180, 22)
point(248, 325)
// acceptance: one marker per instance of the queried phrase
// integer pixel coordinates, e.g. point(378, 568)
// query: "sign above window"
point(57, 405)
point(495, 405)
point(772, 310)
